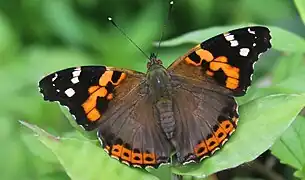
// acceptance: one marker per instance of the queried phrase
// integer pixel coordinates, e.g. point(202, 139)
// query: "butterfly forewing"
point(228, 57)
point(86, 90)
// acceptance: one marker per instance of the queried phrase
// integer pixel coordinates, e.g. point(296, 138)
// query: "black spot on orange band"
point(124, 153)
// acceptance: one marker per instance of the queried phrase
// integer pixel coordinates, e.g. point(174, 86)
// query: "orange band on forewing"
point(90, 103)
point(204, 55)
point(92, 89)
point(221, 59)
point(227, 69)
point(189, 61)
point(122, 77)
point(232, 83)
point(93, 115)
point(106, 77)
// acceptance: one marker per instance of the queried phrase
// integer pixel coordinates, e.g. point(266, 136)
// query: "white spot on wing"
point(244, 51)
point(75, 80)
point(234, 43)
point(55, 77)
point(57, 90)
point(254, 44)
point(250, 31)
point(69, 92)
point(229, 37)
point(76, 73)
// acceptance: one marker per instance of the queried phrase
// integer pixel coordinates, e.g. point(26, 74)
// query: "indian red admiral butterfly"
point(187, 108)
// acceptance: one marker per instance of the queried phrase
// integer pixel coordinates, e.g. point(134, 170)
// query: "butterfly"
point(187, 109)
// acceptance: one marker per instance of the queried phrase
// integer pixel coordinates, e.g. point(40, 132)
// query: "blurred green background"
point(38, 37)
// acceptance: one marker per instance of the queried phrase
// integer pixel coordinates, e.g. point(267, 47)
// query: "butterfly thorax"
point(160, 90)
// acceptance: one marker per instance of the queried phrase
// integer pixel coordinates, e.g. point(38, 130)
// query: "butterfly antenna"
point(123, 33)
point(171, 3)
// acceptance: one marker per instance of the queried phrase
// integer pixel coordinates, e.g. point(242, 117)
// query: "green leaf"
point(71, 119)
point(300, 4)
point(129, 56)
point(290, 147)
point(83, 160)
point(281, 39)
point(262, 121)
point(8, 43)
point(287, 66)
point(287, 77)
point(292, 84)
point(61, 18)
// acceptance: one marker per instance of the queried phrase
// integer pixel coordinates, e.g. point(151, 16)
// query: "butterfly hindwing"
point(130, 132)
point(205, 119)
point(86, 90)
point(228, 57)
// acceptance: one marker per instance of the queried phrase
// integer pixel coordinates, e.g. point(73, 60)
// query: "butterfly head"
point(154, 61)
point(157, 77)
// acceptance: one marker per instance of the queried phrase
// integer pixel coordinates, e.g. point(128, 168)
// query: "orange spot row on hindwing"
point(201, 149)
point(220, 134)
point(107, 77)
point(228, 126)
point(215, 139)
point(212, 143)
point(133, 157)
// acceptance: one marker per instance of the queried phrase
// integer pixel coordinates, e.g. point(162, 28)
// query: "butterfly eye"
point(159, 62)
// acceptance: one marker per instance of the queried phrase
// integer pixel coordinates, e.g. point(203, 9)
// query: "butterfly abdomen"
point(167, 122)
point(160, 88)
